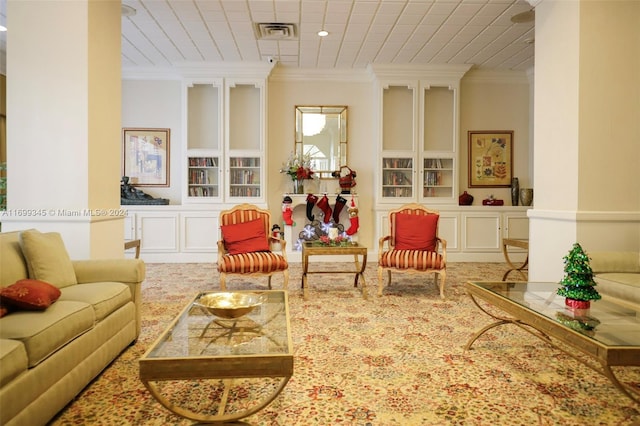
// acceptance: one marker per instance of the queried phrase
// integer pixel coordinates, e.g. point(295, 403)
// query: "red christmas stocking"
point(340, 202)
point(311, 201)
point(287, 215)
point(323, 204)
point(353, 218)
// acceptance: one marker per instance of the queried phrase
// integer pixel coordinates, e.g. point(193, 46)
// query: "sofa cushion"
point(47, 258)
point(105, 297)
point(13, 358)
point(44, 332)
point(13, 266)
point(31, 295)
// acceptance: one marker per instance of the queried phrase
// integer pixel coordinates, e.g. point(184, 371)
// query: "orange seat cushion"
point(416, 232)
point(412, 259)
point(248, 263)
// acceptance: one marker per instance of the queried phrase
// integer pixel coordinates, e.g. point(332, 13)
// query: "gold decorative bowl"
point(230, 305)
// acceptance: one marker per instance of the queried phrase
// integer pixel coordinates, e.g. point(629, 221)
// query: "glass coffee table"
point(246, 362)
point(316, 248)
point(607, 333)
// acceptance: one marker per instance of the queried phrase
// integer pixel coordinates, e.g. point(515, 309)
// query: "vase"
point(515, 190)
point(298, 186)
point(526, 196)
point(465, 199)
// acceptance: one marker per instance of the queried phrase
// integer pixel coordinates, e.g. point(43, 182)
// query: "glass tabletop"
point(196, 333)
point(604, 322)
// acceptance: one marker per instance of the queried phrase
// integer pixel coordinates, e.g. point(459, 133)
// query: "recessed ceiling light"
point(3, 28)
point(323, 33)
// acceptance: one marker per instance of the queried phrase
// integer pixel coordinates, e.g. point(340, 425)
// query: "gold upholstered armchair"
point(245, 247)
point(413, 245)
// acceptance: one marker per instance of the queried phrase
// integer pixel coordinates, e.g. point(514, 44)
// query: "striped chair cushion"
point(412, 259)
point(248, 263)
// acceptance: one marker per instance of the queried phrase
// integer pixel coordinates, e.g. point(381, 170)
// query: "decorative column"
point(63, 130)
point(586, 131)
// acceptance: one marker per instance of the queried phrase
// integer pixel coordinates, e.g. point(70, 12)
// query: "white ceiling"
point(480, 32)
point(164, 33)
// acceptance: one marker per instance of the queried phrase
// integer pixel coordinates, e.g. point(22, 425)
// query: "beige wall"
point(488, 101)
point(358, 96)
point(496, 101)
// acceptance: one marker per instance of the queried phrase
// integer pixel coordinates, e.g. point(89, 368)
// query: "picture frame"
point(145, 156)
point(490, 158)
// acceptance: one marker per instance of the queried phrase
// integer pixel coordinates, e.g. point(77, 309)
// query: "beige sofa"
point(617, 275)
point(47, 357)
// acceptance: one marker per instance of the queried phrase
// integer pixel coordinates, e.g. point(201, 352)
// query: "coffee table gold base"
point(220, 417)
point(599, 366)
point(523, 244)
point(310, 249)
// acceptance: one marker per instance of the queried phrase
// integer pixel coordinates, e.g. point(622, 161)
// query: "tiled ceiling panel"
point(165, 33)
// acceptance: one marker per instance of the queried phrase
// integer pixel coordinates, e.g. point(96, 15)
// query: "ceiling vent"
point(275, 31)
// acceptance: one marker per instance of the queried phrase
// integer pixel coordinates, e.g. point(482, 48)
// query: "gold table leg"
point(512, 267)
point(601, 367)
point(220, 417)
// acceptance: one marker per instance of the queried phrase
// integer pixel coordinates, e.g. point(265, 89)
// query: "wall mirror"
point(321, 133)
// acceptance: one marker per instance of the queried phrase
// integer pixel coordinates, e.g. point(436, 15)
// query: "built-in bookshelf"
point(244, 176)
point(397, 177)
point(437, 177)
point(203, 174)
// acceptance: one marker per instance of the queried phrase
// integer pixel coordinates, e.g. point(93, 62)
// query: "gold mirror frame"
point(321, 132)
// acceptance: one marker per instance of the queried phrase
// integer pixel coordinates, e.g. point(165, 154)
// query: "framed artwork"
point(490, 158)
point(145, 156)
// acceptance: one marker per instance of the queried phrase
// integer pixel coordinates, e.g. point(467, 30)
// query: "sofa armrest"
point(612, 261)
point(127, 271)
point(118, 270)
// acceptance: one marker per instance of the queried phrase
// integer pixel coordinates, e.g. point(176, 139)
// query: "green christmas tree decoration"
point(578, 283)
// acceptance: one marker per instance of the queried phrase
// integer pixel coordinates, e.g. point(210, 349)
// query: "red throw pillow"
point(32, 295)
point(245, 237)
point(416, 232)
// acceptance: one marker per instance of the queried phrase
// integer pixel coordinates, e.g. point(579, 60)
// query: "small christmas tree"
point(578, 283)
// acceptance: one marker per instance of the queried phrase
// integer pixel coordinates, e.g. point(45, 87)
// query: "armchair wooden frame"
point(411, 261)
point(251, 264)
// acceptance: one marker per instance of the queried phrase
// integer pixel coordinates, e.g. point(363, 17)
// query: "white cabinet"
point(483, 231)
point(419, 135)
point(225, 139)
point(199, 231)
point(157, 232)
point(473, 234)
point(173, 233)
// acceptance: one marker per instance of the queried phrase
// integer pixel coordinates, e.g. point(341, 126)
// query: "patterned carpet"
point(394, 360)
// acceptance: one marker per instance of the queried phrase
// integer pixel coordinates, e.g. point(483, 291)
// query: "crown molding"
point(498, 77)
point(283, 73)
point(431, 71)
point(199, 70)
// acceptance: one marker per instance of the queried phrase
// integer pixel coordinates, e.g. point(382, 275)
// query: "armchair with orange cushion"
point(413, 245)
point(245, 247)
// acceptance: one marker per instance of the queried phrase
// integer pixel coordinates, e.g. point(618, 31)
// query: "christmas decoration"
point(340, 203)
point(346, 179)
point(578, 284)
point(287, 211)
point(311, 201)
point(353, 218)
point(323, 204)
